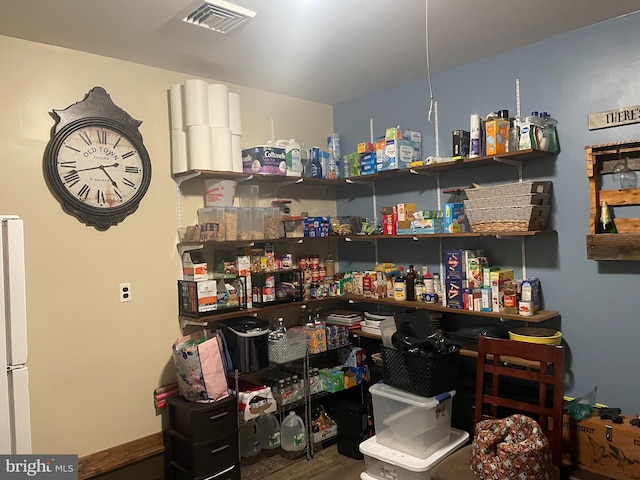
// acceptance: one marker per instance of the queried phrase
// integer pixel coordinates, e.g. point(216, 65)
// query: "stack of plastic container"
point(413, 434)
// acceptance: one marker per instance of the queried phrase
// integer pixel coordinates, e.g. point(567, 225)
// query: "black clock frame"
point(96, 110)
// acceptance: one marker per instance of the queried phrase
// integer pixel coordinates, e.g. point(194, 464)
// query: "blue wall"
point(589, 70)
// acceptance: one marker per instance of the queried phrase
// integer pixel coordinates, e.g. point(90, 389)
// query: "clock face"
point(100, 167)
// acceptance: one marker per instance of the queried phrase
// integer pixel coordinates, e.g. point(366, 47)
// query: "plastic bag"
point(583, 407)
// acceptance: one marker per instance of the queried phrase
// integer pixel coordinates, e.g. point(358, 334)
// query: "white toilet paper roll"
point(176, 95)
point(195, 102)
point(235, 121)
point(199, 147)
point(218, 105)
point(222, 156)
point(179, 162)
point(236, 152)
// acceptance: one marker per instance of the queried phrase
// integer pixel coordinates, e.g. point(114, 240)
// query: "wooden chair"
point(505, 369)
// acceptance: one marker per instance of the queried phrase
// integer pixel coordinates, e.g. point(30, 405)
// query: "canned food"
point(525, 308)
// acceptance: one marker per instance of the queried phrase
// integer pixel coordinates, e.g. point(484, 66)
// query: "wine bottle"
point(411, 282)
point(606, 224)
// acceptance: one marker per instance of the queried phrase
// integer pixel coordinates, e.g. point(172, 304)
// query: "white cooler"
point(411, 423)
point(386, 463)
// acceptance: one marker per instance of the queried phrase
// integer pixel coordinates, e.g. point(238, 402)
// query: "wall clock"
point(96, 163)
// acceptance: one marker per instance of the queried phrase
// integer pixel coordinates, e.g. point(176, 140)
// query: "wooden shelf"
point(541, 316)
point(621, 246)
point(522, 155)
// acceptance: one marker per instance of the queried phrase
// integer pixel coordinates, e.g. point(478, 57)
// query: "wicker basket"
point(508, 219)
point(508, 189)
point(294, 347)
point(509, 201)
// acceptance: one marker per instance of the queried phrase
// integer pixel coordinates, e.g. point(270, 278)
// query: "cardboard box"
point(454, 218)
point(197, 298)
point(352, 356)
point(415, 140)
point(405, 211)
point(461, 140)
point(194, 266)
point(497, 134)
point(426, 226)
point(453, 264)
point(454, 291)
point(602, 447)
point(368, 164)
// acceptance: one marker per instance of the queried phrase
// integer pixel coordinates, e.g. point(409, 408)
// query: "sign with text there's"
point(614, 118)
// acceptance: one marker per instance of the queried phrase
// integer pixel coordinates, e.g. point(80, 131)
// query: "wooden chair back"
point(506, 367)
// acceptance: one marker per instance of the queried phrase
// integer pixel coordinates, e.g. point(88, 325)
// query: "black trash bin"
point(248, 342)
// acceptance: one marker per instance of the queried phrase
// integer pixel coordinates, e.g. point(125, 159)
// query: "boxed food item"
point(497, 135)
point(411, 423)
point(454, 293)
point(194, 266)
point(332, 379)
point(317, 226)
point(354, 376)
point(352, 356)
point(405, 211)
point(264, 160)
point(385, 462)
point(418, 227)
point(454, 217)
point(454, 264)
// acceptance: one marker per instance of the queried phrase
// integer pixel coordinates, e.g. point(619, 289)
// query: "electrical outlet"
point(125, 292)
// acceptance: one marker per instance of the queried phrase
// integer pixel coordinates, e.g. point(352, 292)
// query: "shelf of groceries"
point(454, 164)
point(539, 316)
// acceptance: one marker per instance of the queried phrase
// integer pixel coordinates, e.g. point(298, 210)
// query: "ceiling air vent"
point(218, 15)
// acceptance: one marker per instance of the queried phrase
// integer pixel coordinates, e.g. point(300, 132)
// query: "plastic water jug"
point(292, 433)
point(249, 439)
point(293, 157)
point(269, 431)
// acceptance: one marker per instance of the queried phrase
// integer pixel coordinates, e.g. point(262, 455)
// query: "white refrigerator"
point(14, 386)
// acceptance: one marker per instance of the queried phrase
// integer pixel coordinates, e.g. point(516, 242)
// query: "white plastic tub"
point(389, 464)
point(411, 423)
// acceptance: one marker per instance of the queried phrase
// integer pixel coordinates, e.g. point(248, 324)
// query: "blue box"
point(368, 164)
point(454, 218)
point(317, 226)
point(426, 226)
point(453, 293)
point(454, 264)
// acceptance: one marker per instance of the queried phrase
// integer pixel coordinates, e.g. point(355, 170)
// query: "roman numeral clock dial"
point(96, 163)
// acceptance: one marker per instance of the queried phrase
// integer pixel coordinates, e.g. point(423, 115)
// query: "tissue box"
point(332, 379)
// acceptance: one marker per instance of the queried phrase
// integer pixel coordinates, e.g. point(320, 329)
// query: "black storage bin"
point(421, 374)
point(248, 342)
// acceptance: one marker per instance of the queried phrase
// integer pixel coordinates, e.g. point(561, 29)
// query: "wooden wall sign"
point(614, 118)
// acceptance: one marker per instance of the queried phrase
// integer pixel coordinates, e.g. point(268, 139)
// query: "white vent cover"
point(218, 15)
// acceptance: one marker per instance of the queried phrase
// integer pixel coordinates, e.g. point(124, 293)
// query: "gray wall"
point(589, 70)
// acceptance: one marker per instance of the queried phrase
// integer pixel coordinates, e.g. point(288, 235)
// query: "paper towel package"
point(264, 160)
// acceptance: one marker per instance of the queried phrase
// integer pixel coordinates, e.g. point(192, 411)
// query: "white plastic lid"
point(372, 448)
point(393, 393)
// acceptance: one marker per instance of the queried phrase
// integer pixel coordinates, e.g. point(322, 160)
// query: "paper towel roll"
point(196, 102)
point(179, 162)
point(222, 156)
point(176, 94)
point(236, 152)
point(235, 121)
point(218, 105)
point(199, 147)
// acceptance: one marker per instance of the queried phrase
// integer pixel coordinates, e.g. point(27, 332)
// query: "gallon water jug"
point(293, 157)
point(249, 439)
point(292, 433)
point(269, 431)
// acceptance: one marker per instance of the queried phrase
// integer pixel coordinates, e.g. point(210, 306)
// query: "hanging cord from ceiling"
point(426, 29)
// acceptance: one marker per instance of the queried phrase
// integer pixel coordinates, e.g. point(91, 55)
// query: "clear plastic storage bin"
point(411, 423)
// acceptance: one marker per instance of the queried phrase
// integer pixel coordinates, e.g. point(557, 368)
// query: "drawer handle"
point(220, 415)
point(219, 449)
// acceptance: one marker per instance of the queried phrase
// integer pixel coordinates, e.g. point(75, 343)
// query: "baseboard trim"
point(104, 461)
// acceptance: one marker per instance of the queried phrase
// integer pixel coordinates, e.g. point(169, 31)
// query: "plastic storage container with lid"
point(387, 463)
point(213, 215)
point(411, 423)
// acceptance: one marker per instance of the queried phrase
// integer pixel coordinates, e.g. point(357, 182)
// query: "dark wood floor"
point(325, 464)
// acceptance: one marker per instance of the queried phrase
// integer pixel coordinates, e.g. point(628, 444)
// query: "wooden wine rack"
point(600, 161)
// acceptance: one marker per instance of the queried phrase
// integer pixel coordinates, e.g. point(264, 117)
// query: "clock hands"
point(99, 166)
point(103, 168)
